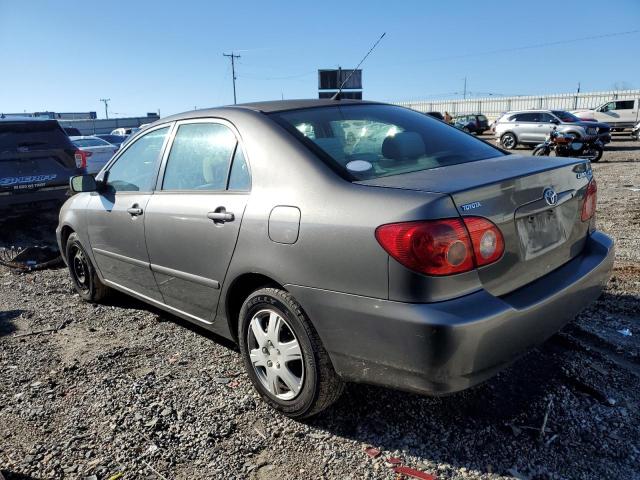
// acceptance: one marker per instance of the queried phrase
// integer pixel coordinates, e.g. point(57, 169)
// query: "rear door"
point(193, 219)
point(116, 216)
point(529, 127)
point(547, 122)
point(34, 155)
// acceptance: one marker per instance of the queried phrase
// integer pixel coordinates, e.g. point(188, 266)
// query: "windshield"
point(371, 141)
point(565, 117)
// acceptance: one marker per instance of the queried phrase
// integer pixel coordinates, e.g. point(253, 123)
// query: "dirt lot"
point(123, 389)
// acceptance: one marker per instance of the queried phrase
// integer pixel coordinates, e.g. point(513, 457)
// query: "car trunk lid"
point(539, 236)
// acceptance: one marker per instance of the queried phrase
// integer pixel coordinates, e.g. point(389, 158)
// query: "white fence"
point(492, 107)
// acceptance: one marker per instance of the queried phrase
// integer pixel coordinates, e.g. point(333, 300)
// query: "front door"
point(116, 216)
point(193, 219)
point(547, 122)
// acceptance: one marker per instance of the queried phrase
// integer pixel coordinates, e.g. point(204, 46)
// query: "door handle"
point(134, 210)
point(220, 215)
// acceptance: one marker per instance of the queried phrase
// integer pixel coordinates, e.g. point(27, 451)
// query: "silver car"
point(531, 127)
point(341, 241)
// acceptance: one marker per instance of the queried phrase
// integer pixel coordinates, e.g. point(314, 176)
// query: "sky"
point(147, 56)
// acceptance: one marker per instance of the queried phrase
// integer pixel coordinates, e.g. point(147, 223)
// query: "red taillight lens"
point(590, 200)
point(486, 238)
point(442, 247)
point(81, 158)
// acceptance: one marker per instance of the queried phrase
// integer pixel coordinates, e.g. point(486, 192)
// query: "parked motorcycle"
point(567, 145)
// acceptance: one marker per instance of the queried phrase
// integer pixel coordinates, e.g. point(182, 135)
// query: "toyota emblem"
point(550, 196)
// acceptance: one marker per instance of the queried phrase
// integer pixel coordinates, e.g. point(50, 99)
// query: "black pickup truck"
point(36, 161)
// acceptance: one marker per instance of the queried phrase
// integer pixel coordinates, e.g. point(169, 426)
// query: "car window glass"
point(135, 170)
point(624, 105)
point(90, 142)
point(546, 118)
point(369, 141)
point(200, 157)
point(239, 178)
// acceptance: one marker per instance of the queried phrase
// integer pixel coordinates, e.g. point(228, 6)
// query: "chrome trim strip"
point(190, 277)
point(122, 258)
point(157, 303)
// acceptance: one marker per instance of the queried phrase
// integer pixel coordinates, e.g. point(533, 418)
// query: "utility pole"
point(106, 106)
point(232, 56)
point(578, 88)
point(464, 93)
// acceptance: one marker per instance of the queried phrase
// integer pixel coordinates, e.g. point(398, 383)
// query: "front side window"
point(135, 170)
point(369, 141)
point(200, 157)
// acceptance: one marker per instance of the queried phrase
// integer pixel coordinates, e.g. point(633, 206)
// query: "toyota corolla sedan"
point(341, 241)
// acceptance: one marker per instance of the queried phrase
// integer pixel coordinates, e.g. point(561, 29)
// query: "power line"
point(232, 56)
point(528, 47)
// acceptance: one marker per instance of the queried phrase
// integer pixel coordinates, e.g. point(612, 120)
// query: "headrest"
point(403, 146)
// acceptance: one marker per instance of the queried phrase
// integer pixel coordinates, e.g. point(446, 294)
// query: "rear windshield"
point(371, 141)
point(35, 135)
point(482, 118)
point(90, 142)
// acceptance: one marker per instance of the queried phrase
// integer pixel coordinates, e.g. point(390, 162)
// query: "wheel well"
point(239, 290)
point(64, 236)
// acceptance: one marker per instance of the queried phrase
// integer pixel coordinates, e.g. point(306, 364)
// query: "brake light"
point(81, 158)
point(442, 247)
point(590, 200)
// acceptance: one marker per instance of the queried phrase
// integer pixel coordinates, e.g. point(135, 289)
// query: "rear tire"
point(597, 152)
point(83, 274)
point(509, 141)
point(273, 328)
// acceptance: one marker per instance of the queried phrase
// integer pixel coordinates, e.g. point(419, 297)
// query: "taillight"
point(590, 200)
point(442, 247)
point(486, 238)
point(81, 158)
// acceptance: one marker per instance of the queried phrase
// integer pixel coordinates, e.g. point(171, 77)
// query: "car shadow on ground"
point(121, 300)
point(37, 229)
point(6, 321)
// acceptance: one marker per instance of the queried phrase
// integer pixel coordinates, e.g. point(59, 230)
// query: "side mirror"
point(556, 121)
point(83, 183)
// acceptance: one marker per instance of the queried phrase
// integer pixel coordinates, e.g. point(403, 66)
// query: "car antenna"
point(337, 95)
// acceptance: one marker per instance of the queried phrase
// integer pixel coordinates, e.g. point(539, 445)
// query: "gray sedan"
point(341, 241)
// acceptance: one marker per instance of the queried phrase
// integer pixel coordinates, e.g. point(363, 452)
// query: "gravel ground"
point(122, 390)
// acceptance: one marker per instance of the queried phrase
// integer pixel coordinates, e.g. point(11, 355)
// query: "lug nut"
point(278, 365)
point(269, 363)
point(265, 350)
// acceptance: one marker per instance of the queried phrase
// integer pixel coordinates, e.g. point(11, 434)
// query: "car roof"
point(269, 107)
point(25, 119)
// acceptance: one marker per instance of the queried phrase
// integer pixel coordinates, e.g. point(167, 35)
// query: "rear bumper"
point(444, 347)
point(28, 201)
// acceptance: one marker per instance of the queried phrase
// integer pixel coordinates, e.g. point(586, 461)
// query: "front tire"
point(541, 152)
point(83, 274)
point(283, 355)
point(509, 141)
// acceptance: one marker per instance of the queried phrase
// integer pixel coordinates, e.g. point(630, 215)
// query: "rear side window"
point(370, 141)
point(624, 105)
point(239, 178)
point(135, 170)
point(200, 157)
point(32, 135)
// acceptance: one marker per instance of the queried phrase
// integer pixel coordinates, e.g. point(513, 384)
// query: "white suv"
point(531, 127)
